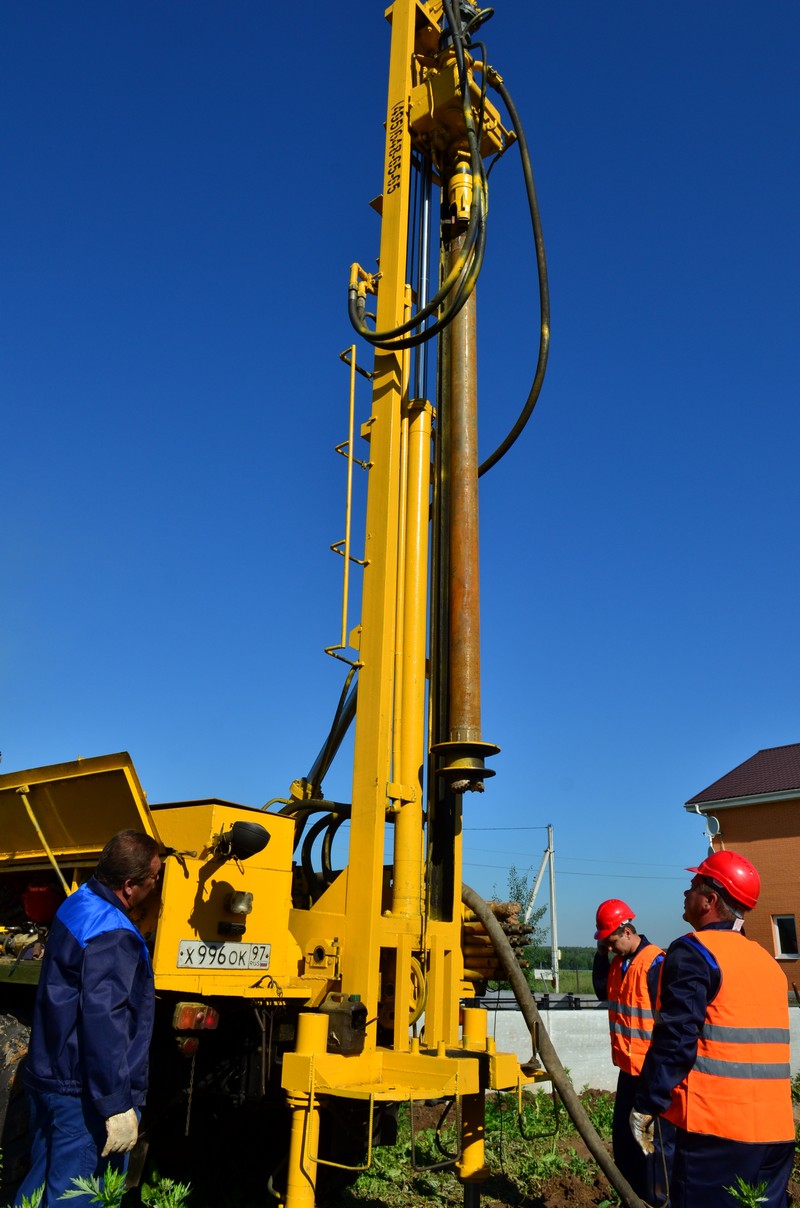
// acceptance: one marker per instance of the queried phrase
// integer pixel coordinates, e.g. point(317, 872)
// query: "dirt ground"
point(566, 1190)
point(563, 1190)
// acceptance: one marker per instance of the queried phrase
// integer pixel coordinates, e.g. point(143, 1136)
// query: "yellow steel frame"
point(382, 936)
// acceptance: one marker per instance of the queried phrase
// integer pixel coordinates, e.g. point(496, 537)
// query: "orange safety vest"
point(630, 1011)
point(739, 1086)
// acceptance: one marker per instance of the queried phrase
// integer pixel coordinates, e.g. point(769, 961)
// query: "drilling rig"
point(344, 989)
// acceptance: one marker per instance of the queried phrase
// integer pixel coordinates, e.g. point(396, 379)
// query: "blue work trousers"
point(704, 1166)
point(68, 1136)
point(649, 1175)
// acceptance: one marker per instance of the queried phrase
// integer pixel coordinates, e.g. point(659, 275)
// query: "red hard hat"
point(734, 873)
point(611, 915)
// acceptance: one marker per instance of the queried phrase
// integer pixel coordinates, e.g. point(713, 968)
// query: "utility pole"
point(548, 861)
point(553, 913)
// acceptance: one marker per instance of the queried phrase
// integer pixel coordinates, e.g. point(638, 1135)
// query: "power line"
point(624, 876)
point(503, 828)
point(581, 859)
point(628, 863)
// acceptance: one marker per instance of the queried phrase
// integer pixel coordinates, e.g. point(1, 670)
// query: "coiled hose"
point(543, 1044)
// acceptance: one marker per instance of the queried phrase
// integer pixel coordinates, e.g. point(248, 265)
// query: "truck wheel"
point(14, 1139)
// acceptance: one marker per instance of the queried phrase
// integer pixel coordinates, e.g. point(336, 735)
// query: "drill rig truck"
point(338, 992)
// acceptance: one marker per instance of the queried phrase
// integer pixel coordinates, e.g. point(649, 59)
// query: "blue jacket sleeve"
point(653, 975)
point(688, 984)
point(110, 965)
point(600, 968)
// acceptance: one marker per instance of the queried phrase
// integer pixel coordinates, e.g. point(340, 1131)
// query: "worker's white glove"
point(122, 1132)
point(642, 1129)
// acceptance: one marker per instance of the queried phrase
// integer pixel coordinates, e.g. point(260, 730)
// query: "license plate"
point(203, 954)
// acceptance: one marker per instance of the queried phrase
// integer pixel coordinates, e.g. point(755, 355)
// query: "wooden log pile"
point(481, 962)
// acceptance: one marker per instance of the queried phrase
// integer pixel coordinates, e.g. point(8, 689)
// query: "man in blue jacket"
point(719, 1063)
point(86, 1072)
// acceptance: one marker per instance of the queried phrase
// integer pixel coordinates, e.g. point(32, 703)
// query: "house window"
point(785, 928)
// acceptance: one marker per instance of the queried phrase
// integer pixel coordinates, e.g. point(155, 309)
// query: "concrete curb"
point(581, 1040)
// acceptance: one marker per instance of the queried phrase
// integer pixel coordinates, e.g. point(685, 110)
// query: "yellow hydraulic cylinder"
point(301, 1179)
point(474, 1028)
point(471, 1166)
point(23, 792)
point(407, 881)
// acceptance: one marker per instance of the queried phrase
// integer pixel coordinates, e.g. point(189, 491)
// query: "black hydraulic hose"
point(541, 265)
point(465, 270)
point(544, 1046)
point(327, 843)
point(301, 811)
point(342, 719)
point(315, 884)
point(315, 805)
point(460, 293)
point(457, 289)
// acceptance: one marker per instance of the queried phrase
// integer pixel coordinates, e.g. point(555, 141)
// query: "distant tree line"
point(572, 957)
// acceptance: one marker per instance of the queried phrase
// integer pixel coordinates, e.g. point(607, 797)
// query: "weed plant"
point(108, 1190)
point(523, 1149)
point(746, 1194)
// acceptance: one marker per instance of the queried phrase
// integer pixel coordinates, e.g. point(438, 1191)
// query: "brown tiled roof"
point(774, 770)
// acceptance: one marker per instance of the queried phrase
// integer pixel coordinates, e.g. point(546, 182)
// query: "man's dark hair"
point(126, 857)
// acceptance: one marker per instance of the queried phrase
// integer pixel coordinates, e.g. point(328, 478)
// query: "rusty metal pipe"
point(465, 750)
point(465, 654)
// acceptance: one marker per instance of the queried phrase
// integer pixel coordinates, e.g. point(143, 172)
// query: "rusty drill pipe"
point(465, 655)
point(465, 750)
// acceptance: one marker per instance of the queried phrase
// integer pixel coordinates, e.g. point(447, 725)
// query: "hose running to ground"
point(543, 1044)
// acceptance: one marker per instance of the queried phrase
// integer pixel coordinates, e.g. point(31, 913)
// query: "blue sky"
point(185, 186)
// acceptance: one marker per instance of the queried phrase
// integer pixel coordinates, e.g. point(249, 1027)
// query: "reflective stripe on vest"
point(630, 1012)
point(739, 1085)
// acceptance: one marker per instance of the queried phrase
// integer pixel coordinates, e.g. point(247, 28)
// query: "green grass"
point(571, 981)
point(523, 1153)
point(576, 981)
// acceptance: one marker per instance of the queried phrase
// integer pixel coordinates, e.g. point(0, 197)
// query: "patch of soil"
point(562, 1190)
point(428, 1115)
point(568, 1191)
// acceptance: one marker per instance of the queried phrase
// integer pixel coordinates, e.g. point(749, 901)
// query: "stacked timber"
point(481, 962)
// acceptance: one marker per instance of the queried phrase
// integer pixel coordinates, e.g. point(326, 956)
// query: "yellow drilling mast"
point(418, 740)
point(340, 992)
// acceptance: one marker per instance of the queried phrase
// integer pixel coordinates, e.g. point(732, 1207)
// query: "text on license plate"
point(206, 954)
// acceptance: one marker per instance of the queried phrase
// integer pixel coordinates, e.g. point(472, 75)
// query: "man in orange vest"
point(718, 1065)
point(630, 986)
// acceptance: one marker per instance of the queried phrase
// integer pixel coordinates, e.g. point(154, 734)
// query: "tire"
point(14, 1138)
